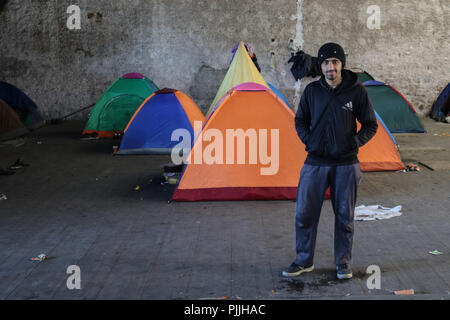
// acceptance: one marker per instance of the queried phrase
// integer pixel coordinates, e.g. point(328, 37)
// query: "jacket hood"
point(349, 80)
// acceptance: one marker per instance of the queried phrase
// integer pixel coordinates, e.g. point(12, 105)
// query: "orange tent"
point(380, 153)
point(249, 149)
point(10, 124)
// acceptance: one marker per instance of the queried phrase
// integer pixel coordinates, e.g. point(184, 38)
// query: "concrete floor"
point(78, 204)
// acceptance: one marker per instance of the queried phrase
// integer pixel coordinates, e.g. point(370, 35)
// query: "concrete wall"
point(185, 44)
point(410, 51)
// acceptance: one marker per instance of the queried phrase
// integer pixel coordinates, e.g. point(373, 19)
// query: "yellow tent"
point(241, 70)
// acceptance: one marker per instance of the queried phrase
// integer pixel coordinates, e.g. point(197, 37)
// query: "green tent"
point(117, 105)
point(364, 76)
point(396, 112)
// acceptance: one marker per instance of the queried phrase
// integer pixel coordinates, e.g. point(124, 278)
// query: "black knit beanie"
point(331, 50)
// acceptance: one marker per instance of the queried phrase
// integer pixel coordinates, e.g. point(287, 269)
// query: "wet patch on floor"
point(316, 282)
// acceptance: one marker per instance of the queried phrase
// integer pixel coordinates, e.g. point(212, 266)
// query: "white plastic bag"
point(376, 212)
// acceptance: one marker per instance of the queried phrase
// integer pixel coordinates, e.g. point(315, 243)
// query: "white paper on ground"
point(376, 212)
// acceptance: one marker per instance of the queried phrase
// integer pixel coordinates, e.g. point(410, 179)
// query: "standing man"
point(325, 122)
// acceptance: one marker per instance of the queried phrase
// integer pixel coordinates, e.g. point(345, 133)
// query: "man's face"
point(332, 68)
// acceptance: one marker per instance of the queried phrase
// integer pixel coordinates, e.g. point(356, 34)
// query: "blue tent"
point(21, 104)
point(150, 129)
point(436, 111)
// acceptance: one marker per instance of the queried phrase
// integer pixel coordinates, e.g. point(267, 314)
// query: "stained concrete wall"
point(185, 44)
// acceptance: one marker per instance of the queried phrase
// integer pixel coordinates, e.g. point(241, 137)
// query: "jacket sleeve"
point(366, 116)
point(303, 119)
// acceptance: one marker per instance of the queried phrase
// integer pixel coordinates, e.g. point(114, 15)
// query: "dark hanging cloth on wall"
point(304, 65)
point(255, 61)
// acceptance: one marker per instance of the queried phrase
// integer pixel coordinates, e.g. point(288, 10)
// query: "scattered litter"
point(170, 167)
point(376, 212)
point(40, 257)
point(39, 142)
point(171, 177)
point(3, 197)
point(89, 136)
point(435, 253)
point(410, 167)
point(442, 134)
point(15, 142)
point(137, 188)
point(6, 172)
point(115, 149)
point(404, 292)
point(18, 165)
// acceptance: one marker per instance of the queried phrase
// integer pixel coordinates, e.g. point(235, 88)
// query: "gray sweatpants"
point(314, 181)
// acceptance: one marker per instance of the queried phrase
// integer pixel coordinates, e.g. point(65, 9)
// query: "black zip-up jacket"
point(325, 121)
